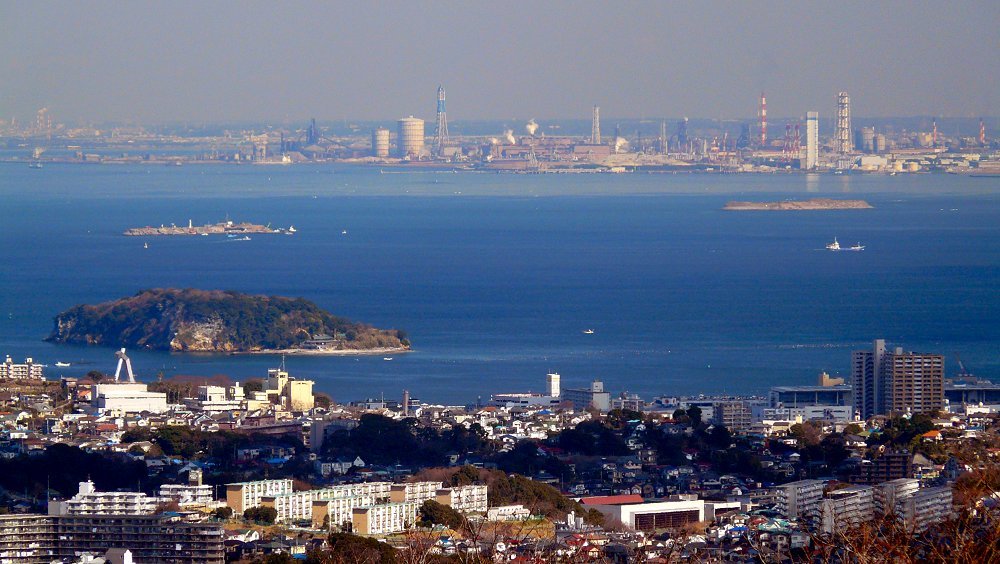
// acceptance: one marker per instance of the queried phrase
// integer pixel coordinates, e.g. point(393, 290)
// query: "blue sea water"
point(494, 277)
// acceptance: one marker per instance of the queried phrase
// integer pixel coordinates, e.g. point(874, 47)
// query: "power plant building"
point(411, 137)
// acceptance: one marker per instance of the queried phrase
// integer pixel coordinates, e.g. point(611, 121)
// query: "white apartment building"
point(927, 507)
point(89, 501)
point(800, 499)
point(918, 508)
point(464, 499)
point(188, 494)
point(847, 508)
point(890, 495)
point(330, 513)
point(414, 491)
point(27, 371)
point(298, 506)
point(241, 496)
point(217, 399)
point(507, 513)
point(384, 519)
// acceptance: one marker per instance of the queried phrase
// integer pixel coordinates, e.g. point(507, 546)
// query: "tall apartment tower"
point(595, 126)
point(843, 123)
point(916, 382)
point(867, 381)
point(812, 140)
point(552, 383)
point(896, 382)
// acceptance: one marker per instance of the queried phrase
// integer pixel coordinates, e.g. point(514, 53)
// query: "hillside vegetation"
point(212, 321)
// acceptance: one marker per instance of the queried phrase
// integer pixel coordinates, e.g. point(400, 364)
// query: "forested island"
point(220, 321)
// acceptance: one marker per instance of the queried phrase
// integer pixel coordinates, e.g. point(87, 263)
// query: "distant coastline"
point(799, 205)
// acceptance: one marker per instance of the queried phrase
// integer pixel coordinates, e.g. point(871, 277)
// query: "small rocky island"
point(221, 321)
point(799, 205)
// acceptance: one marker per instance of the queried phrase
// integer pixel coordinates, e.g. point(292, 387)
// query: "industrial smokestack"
point(531, 127)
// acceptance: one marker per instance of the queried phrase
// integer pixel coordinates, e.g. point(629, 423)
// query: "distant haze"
point(228, 61)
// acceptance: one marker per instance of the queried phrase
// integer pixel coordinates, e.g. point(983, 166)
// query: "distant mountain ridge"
point(193, 320)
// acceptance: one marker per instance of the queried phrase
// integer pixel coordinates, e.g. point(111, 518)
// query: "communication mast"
point(843, 138)
point(982, 132)
point(595, 127)
point(441, 130)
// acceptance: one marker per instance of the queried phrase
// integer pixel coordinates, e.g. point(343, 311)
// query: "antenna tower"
point(982, 132)
point(595, 127)
point(441, 130)
point(843, 138)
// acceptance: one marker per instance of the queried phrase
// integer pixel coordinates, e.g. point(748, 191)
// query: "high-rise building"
point(866, 380)
point(916, 382)
point(552, 380)
point(800, 499)
point(843, 134)
point(897, 382)
point(812, 140)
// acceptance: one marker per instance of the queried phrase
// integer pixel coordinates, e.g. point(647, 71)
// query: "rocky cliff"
point(213, 321)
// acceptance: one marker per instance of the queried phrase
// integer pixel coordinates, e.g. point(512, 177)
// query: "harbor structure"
point(380, 143)
point(410, 139)
point(812, 141)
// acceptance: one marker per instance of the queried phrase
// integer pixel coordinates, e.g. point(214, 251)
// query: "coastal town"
point(270, 468)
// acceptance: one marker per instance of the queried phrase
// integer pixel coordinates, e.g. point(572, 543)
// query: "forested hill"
point(213, 321)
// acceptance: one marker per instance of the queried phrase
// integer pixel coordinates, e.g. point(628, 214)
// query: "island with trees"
point(189, 320)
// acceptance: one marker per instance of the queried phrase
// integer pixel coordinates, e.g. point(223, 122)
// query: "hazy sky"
point(222, 61)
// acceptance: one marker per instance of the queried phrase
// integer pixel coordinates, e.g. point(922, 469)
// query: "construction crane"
point(123, 359)
point(962, 372)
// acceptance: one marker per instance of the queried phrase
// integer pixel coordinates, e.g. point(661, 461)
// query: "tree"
point(262, 515)
point(96, 376)
point(434, 513)
point(694, 414)
point(223, 512)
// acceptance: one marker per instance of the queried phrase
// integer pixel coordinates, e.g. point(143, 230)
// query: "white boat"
point(244, 238)
point(291, 229)
point(145, 245)
point(62, 364)
point(588, 331)
point(834, 246)
point(386, 358)
point(344, 232)
point(858, 247)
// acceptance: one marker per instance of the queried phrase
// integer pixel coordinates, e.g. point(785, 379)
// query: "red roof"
point(611, 499)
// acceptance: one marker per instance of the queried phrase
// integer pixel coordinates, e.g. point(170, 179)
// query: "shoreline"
point(330, 352)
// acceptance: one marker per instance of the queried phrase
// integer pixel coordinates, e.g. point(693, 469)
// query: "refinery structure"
point(820, 140)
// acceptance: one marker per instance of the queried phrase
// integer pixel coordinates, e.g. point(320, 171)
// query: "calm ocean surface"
point(495, 277)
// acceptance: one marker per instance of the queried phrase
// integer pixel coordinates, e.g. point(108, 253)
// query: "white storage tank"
point(411, 137)
point(380, 142)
